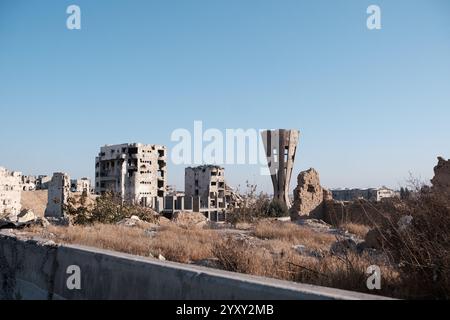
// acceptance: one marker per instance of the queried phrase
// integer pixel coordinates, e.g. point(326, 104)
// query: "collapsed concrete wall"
point(441, 179)
point(10, 192)
point(32, 269)
point(58, 194)
point(309, 196)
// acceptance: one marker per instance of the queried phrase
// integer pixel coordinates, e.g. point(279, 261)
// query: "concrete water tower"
point(280, 146)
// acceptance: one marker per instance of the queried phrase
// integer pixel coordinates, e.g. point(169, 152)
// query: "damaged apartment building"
point(10, 192)
point(135, 171)
point(80, 185)
point(205, 191)
point(206, 186)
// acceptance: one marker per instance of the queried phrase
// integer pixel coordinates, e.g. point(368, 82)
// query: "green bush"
point(277, 208)
point(108, 208)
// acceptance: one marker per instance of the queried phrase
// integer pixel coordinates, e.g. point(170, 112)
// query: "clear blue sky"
point(371, 105)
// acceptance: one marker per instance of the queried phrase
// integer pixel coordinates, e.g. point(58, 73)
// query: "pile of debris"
point(135, 221)
point(24, 218)
point(189, 219)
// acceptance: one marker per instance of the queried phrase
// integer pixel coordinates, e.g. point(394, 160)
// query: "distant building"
point(28, 183)
point(135, 171)
point(80, 185)
point(371, 194)
point(42, 182)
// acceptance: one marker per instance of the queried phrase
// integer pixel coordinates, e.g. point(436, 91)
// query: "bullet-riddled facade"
point(135, 171)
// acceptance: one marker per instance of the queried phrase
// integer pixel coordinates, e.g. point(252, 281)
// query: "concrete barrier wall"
point(33, 269)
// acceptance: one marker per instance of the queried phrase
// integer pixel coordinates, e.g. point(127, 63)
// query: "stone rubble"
point(309, 196)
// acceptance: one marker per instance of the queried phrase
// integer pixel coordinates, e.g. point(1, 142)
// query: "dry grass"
point(184, 245)
point(347, 272)
point(174, 243)
point(272, 257)
point(293, 234)
point(110, 237)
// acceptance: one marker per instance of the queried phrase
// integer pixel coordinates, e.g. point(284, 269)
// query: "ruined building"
point(281, 146)
point(206, 186)
point(28, 183)
point(309, 196)
point(371, 194)
point(10, 192)
point(80, 185)
point(42, 182)
point(206, 182)
point(135, 171)
point(441, 179)
point(58, 194)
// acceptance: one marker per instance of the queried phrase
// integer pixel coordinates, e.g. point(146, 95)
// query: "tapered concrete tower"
point(280, 146)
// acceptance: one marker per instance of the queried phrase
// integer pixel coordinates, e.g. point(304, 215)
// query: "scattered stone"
point(26, 216)
point(189, 219)
point(129, 222)
point(343, 246)
point(43, 222)
point(161, 257)
point(135, 221)
point(150, 232)
point(209, 263)
point(304, 251)
point(283, 219)
point(50, 243)
point(314, 223)
point(62, 221)
point(301, 249)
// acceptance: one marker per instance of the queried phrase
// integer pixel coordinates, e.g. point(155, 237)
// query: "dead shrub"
point(421, 248)
point(292, 233)
point(105, 236)
point(239, 256)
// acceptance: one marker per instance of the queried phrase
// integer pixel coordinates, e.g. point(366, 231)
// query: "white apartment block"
point(135, 171)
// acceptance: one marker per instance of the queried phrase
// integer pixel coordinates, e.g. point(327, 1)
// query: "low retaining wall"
point(35, 269)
